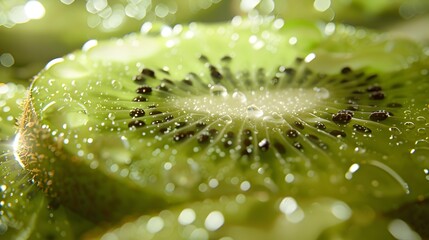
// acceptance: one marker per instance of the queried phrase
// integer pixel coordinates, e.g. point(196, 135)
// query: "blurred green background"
point(32, 32)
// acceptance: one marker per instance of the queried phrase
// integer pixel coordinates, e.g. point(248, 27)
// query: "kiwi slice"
point(186, 113)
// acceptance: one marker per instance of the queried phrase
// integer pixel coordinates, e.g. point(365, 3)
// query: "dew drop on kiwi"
point(254, 111)
point(218, 90)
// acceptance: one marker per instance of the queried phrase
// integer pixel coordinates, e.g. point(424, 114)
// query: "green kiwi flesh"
point(258, 217)
point(185, 113)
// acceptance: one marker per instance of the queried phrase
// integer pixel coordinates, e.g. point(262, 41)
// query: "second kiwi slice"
point(186, 113)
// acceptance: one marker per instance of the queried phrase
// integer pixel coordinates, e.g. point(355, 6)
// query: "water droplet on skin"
point(218, 90)
point(254, 111)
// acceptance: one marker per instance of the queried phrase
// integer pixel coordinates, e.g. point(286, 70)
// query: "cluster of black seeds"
point(358, 89)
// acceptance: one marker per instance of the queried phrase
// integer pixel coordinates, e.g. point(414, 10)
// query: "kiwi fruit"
point(194, 112)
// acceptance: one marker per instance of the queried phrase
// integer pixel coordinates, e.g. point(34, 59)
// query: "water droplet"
point(420, 119)
point(155, 224)
point(422, 143)
point(187, 216)
point(421, 131)
point(321, 93)
point(218, 90)
point(116, 84)
point(254, 111)
point(409, 125)
point(395, 130)
point(274, 118)
point(68, 69)
point(288, 205)
point(341, 210)
point(400, 230)
point(111, 116)
point(239, 96)
point(214, 221)
point(65, 113)
point(421, 154)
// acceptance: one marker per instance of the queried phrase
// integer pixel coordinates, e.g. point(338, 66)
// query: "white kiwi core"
point(260, 104)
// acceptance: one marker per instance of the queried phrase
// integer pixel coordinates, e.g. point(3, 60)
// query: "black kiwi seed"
point(155, 122)
point(360, 128)
point(226, 58)
point(379, 115)
point(320, 126)
point(203, 59)
point(299, 125)
point(298, 145)
point(148, 72)
point(279, 147)
point(168, 118)
point(371, 77)
point(139, 79)
point(178, 125)
point(292, 133)
point(376, 95)
point(214, 72)
point(140, 99)
point(346, 70)
point(338, 133)
point(264, 145)
point(137, 112)
point(342, 117)
point(179, 136)
point(144, 90)
point(374, 88)
point(203, 138)
point(187, 82)
point(213, 132)
point(156, 112)
point(394, 105)
point(200, 125)
point(163, 87)
point(136, 124)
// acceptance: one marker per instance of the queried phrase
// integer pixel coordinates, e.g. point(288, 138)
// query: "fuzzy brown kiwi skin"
point(116, 200)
